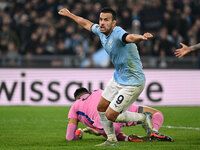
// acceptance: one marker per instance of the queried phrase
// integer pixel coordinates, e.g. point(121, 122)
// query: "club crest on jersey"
point(110, 44)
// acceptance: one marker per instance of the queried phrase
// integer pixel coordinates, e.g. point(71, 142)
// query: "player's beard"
point(107, 31)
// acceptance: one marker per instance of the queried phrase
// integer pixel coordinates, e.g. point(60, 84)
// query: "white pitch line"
point(188, 128)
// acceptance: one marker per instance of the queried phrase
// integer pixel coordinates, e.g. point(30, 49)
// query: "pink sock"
point(157, 120)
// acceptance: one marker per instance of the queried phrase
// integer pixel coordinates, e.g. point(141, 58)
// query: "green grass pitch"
point(44, 128)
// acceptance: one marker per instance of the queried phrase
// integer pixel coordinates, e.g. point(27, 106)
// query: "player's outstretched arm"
point(72, 133)
point(185, 50)
point(81, 21)
point(135, 38)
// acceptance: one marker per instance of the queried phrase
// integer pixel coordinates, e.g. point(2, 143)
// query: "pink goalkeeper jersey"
point(85, 110)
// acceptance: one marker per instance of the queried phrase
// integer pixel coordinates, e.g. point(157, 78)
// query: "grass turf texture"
point(24, 127)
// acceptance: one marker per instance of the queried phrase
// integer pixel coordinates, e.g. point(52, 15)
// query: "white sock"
point(130, 117)
point(108, 127)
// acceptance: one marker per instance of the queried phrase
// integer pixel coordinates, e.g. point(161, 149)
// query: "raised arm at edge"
point(79, 20)
point(195, 47)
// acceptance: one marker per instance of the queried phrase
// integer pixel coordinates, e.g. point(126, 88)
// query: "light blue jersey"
point(124, 56)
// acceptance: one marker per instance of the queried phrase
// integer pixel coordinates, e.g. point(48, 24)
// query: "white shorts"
point(121, 96)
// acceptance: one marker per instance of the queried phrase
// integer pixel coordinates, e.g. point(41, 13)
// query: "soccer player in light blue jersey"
point(128, 80)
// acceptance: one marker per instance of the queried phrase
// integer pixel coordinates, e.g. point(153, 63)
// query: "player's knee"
point(158, 115)
point(103, 105)
point(110, 117)
point(100, 108)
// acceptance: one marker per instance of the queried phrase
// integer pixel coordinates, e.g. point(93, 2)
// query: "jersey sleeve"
point(72, 112)
point(95, 29)
point(71, 129)
point(119, 33)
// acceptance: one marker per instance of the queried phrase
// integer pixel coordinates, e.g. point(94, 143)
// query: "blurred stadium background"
point(32, 34)
point(44, 57)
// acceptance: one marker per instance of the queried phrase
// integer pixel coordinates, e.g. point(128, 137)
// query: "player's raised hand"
point(64, 12)
point(182, 51)
point(135, 38)
point(147, 35)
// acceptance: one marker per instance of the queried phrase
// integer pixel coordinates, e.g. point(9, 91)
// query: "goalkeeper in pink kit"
point(84, 110)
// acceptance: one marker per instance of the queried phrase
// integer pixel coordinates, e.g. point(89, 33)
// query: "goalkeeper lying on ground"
point(84, 110)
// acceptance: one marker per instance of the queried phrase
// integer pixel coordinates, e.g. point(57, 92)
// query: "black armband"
point(124, 37)
point(91, 26)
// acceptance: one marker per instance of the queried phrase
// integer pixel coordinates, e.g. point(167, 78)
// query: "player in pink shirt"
point(84, 110)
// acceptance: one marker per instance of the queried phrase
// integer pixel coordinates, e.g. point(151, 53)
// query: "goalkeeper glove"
point(79, 133)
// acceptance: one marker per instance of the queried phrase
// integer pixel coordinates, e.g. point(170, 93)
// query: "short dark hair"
point(79, 91)
point(109, 10)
